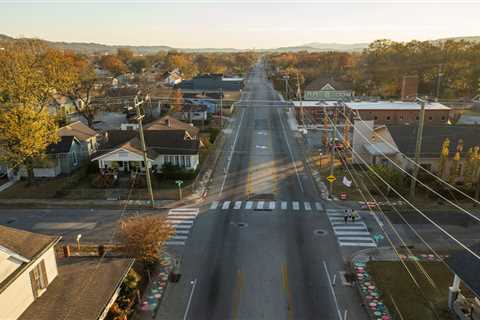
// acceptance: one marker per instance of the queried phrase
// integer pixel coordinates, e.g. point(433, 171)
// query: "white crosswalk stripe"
point(349, 234)
point(262, 205)
point(226, 205)
point(182, 219)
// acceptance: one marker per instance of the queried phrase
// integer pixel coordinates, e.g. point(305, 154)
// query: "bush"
point(173, 172)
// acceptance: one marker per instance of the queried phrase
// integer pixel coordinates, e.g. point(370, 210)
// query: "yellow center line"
point(239, 281)
point(287, 290)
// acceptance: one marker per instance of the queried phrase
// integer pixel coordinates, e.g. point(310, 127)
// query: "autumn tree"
point(144, 237)
point(182, 61)
point(125, 54)
point(30, 74)
point(444, 153)
point(113, 64)
point(176, 100)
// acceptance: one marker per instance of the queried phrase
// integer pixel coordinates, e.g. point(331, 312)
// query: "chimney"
point(409, 88)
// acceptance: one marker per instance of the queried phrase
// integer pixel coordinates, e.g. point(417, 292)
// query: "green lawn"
point(394, 282)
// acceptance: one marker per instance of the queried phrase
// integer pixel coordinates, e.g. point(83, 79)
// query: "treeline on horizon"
point(453, 66)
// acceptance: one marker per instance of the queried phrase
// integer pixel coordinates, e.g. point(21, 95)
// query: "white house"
point(171, 78)
point(34, 285)
point(167, 139)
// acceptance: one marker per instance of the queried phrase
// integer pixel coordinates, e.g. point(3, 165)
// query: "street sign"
point(179, 182)
point(331, 179)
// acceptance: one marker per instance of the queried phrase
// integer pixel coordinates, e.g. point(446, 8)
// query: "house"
point(464, 265)
point(398, 142)
point(326, 88)
point(34, 285)
point(62, 157)
point(192, 112)
point(398, 112)
point(61, 105)
point(172, 78)
point(87, 136)
point(168, 141)
point(212, 82)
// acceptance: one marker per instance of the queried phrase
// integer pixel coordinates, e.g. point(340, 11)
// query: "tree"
point(137, 64)
point(455, 166)
point(176, 100)
point(113, 64)
point(26, 133)
point(144, 237)
point(444, 156)
point(125, 55)
point(30, 74)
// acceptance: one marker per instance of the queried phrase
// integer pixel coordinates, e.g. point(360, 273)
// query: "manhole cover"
point(242, 225)
point(319, 232)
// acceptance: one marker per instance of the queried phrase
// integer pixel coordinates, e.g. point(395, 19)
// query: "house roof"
point(394, 105)
point(62, 146)
point(321, 82)
point(81, 291)
point(169, 142)
point(77, 129)
point(466, 266)
point(25, 243)
point(316, 104)
point(433, 137)
point(170, 123)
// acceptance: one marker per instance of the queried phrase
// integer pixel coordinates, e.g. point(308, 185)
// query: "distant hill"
point(91, 47)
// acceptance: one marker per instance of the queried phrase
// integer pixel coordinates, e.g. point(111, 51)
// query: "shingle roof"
point(77, 129)
point(467, 267)
point(81, 291)
point(62, 146)
point(170, 123)
point(433, 137)
point(319, 83)
point(26, 244)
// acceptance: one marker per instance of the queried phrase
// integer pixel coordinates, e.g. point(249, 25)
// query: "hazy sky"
point(239, 24)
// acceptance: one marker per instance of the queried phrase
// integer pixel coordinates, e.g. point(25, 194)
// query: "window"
point(143, 164)
point(177, 160)
point(182, 161)
point(416, 118)
point(443, 117)
point(375, 118)
point(38, 278)
point(188, 163)
point(430, 118)
point(388, 118)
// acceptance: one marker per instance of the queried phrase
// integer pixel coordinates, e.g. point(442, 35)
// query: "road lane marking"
point(319, 206)
point(290, 151)
point(286, 287)
point(357, 244)
point(179, 237)
point(175, 243)
point(284, 205)
point(226, 205)
point(366, 239)
point(214, 205)
point(231, 153)
point(238, 205)
point(307, 206)
point(332, 291)
point(260, 205)
point(350, 228)
point(351, 233)
point(249, 205)
point(179, 222)
point(271, 205)
point(295, 205)
point(181, 226)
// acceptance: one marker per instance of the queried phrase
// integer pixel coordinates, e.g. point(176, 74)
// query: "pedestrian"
point(354, 215)
point(346, 215)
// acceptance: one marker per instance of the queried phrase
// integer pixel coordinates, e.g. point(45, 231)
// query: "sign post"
point(179, 184)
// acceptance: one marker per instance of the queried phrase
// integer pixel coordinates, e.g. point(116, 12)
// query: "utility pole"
point(221, 108)
point(299, 97)
point(144, 148)
point(333, 149)
point(418, 148)
point(439, 76)
point(285, 78)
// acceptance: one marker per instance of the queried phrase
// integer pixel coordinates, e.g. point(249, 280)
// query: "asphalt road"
point(260, 264)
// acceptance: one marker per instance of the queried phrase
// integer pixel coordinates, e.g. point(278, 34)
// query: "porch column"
point(453, 291)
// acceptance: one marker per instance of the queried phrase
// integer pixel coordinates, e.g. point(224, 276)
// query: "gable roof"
point(68, 296)
point(77, 129)
point(25, 243)
point(320, 83)
point(433, 137)
point(170, 123)
point(466, 266)
point(62, 146)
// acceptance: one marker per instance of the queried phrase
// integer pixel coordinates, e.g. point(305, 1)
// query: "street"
point(254, 252)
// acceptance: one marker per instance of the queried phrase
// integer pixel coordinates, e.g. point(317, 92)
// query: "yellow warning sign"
point(331, 179)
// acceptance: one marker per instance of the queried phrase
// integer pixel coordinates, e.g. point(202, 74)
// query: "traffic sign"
point(378, 237)
point(331, 179)
point(179, 182)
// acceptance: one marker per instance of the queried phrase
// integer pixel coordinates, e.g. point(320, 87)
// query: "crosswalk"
point(350, 234)
point(182, 220)
point(263, 205)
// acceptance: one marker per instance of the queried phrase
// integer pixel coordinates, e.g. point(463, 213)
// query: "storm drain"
point(242, 225)
point(319, 232)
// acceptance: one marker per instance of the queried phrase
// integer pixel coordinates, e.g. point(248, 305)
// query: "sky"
point(238, 24)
